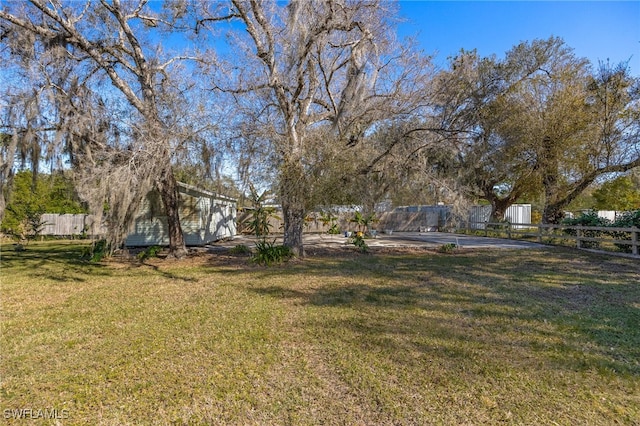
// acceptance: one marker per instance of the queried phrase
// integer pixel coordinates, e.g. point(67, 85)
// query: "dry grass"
point(485, 337)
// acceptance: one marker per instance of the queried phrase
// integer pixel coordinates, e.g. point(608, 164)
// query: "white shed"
point(205, 217)
point(516, 213)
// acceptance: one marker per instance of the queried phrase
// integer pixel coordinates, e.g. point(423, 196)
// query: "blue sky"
point(597, 30)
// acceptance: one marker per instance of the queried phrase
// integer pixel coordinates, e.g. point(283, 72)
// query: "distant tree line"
point(320, 102)
point(32, 195)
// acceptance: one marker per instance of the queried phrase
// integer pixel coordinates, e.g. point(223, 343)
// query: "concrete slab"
point(394, 240)
point(465, 241)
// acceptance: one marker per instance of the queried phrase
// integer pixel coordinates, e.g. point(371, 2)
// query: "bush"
point(627, 220)
point(334, 230)
point(149, 252)
point(501, 225)
point(587, 219)
point(268, 253)
point(447, 248)
point(328, 219)
point(240, 249)
point(358, 241)
point(96, 252)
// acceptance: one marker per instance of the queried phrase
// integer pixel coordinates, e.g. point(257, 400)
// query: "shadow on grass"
point(163, 273)
point(578, 311)
point(61, 261)
point(55, 260)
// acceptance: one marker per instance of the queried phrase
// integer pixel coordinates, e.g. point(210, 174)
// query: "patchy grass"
point(479, 337)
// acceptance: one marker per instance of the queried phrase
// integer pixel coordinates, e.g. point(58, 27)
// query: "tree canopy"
point(119, 98)
point(34, 195)
point(320, 101)
point(311, 79)
point(539, 123)
point(621, 194)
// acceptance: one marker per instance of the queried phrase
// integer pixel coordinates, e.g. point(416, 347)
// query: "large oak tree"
point(538, 123)
point(313, 74)
point(120, 43)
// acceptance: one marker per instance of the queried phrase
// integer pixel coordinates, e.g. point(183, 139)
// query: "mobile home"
point(205, 217)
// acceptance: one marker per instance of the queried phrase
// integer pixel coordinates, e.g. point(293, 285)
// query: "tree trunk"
point(499, 209)
point(171, 200)
point(3, 202)
point(6, 168)
point(292, 196)
point(499, 205)
point(293, 227)
point(553, 213)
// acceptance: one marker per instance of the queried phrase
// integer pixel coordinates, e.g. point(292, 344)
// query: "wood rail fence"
point(602, 238)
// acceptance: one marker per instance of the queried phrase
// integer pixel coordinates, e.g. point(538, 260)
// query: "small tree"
point(35, 223)
point(330, 220)
point(617, 194)
point(363, 221)
point(259, 222)
point(30, 196)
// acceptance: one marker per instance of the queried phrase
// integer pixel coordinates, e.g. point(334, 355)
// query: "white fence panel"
point(68, 224)
point(518, 213)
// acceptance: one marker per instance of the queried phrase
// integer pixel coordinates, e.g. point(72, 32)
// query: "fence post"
point(634, 240)
point(509, 230)
point(540, 233)
point(579, 237)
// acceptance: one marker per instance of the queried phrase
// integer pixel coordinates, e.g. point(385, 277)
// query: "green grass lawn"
point(548, 336)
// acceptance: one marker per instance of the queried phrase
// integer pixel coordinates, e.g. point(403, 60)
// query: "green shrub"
point(268, 253)
point(447, 248)
point(30, 196)
point(259, 224)
point(358, 241)
point(149, 253)
point(328, 219)
point(240, 249)
point(501, 225)
point(626, 220)
point(96, 251)
point(334, 230)
point(587, 219)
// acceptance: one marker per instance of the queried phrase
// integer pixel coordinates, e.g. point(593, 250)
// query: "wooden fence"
point(625, 240)
point(430, 219)
point(66, 225)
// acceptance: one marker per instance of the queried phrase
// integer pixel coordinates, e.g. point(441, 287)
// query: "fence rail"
point(603, 238)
